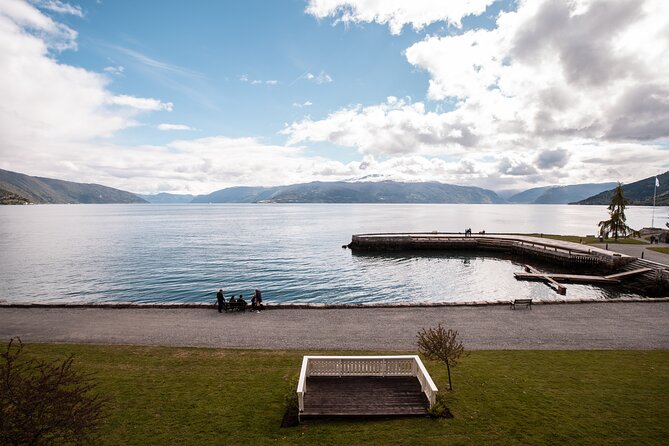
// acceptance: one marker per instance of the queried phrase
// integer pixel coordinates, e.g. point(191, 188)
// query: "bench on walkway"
point(526, 302)
point(235, 306)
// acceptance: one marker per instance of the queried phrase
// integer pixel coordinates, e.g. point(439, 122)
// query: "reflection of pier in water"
point(638, 274)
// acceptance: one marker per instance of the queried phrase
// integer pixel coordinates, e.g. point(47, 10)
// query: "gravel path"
point(613, 325)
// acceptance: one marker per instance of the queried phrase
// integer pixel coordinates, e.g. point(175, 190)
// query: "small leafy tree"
point(616, 224)
point(441, 345)
point(45, 403)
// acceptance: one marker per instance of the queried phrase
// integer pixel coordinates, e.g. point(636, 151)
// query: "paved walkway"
point(636, 250)
point(566, 326)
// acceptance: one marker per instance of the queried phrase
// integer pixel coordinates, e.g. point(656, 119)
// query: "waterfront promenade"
point(607, 325)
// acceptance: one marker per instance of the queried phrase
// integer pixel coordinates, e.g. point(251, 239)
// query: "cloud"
point(320, 78)
point(117, 70)
point(141, 103)
point(515, 167)
point(168, 127)
point(588, 76)
point(158, 65)
point(59, 7)
point(245, 78)
point(50, 110)
point(397, 13)
point(394, 127)
point(19, 16)
point(549, 159)
point(303, 104)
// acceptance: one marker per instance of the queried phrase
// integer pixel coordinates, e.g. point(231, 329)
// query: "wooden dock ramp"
point(629, 273)
point(532, 274)
point(364, 386)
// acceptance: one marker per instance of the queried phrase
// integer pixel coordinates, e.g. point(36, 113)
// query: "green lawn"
point(590, 240)
point(206, 396)
point(662, 250)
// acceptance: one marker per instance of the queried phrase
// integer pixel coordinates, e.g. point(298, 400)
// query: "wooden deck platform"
point(355, 396)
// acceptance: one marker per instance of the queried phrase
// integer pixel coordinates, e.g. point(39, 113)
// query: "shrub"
point(441, 345)
point(45, 402)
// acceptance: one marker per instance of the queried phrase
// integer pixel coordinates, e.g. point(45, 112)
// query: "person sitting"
point(241, 303)
point(232, 304)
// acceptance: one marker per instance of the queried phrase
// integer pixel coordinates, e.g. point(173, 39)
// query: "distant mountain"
point(240, 194)
point(16, 187)
point(528, 196)
point(638, 193)
point(560, 194)
point(165, 198)
point(353, 192)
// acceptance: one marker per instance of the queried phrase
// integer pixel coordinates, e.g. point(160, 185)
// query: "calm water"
point(184, 253)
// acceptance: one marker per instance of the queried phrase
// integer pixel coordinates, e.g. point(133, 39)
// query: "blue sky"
point(194, 96)
point(223, 41)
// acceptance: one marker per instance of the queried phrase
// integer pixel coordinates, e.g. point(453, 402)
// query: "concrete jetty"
point(643, 276)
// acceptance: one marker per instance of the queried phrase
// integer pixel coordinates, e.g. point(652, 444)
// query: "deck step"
point(351, 396)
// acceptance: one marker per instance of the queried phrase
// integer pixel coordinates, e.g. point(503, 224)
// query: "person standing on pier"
point(220, 300)
point(256, 301)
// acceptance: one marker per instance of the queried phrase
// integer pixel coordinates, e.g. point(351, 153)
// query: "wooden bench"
point(526, 302)
point(236, 306)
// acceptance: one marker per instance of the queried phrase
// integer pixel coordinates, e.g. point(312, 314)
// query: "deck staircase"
point(354, 396)
point(364, 386)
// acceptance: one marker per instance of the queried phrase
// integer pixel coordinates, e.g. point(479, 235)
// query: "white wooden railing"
point(406, 365)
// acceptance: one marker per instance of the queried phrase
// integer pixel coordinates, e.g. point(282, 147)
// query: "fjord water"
point(184, 253)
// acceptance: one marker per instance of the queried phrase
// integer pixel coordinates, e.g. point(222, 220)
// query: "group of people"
point(468, 232)
point(238, 303)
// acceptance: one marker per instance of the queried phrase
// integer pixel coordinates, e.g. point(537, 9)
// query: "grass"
point(590, 240)
point(660, 250)
point(161, 395)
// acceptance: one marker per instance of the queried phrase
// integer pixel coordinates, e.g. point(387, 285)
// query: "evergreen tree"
point(616, 225)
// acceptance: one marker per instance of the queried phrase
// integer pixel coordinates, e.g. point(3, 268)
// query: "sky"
point(194, 96)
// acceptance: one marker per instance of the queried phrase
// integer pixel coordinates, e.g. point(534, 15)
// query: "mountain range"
point(639, 193)
point(560, 194)
point(165, 198)
point(359, 192)
point(17, 188)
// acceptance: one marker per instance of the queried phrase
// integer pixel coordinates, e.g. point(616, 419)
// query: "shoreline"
point(317, 306)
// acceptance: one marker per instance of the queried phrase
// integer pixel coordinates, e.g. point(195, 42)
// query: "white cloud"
point(158, 65)
point(320, 78)
point(303, 104)
point(247, 79)
point(553, 82)
point(50, 110)
point(397, 13)
point(394, 127)
point(168, 127)
point(117, 70)
point(59, 7)
point(141, 103)
point(20, 17)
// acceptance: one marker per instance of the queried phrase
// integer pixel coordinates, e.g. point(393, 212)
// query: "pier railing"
point(404, 365)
